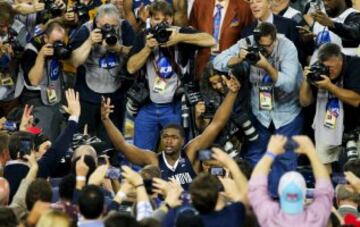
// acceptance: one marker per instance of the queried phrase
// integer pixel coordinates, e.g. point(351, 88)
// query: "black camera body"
point(139, 94)
point(109, 34)
point(61, 51)
point(160, 32)
point(350, 140)
point(254, 53)
point(52, 9)
point(316, 70)
point(14, 43)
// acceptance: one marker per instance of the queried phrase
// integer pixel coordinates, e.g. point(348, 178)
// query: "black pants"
point(91, 115)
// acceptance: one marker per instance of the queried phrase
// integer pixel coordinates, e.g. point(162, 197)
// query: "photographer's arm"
point(79, 55)
point(137, 61)
point(36, 73)
point(205, 139)
point(132, 153)
point(306, 96)
point(347, 96)
point(229, 57)
point(202, 39)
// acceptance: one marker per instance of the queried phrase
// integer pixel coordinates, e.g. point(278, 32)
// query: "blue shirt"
point(284, 58)
point(232, 215)
point(182, 171)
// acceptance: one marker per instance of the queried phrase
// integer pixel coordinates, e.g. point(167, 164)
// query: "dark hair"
point(7, 217)
point(91, 202)
point(175, 126)
point(39, 190)
point(161, 7)
point(14, 142)
point(4, 141)
point(266, 29)
point(149, 222)
point(117, 219)
point(329, 50)
point(67, 186)
point(7, 13)
point(353, 166)
point(204, 191)
point(209, 71)
point(89, 161)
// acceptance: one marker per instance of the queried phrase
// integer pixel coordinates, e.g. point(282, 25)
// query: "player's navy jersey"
point(182, 171)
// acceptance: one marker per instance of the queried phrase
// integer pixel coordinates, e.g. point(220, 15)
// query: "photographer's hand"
point(46, 51)
point(242, 54)
point(325, 83)
point(151, 42)
point(174, 38)
point(276, 144)
point(263, 62)
point(233, 84)
point(96, 36)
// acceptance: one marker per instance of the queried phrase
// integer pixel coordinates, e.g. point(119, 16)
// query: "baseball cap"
point(292, 192)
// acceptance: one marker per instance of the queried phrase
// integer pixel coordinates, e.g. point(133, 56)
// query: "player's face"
point(171, 141)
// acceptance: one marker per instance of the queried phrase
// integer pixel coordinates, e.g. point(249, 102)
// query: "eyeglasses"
point(267, 46)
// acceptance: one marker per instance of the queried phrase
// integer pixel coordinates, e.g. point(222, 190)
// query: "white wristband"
point(80, 178)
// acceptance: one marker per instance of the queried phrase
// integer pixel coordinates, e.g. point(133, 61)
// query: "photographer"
point(161, 54)
point(334, 85)
point(40, 77)
point(100, 48)
point(12, 42)
point(275, 76)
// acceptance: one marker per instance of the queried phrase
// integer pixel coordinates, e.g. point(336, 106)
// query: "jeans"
point(283, 163)
point(151, 119)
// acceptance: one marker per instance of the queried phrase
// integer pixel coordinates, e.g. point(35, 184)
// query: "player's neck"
point(172, 158)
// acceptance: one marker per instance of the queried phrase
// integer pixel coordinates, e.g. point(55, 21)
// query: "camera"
point(254, 49)
point(138, 94)
point(51, 9)
point(290, 145)
point(113, 173)
point(210, 108)
point(192, 93)
point(217, 171)
point(316, 70)
point(10, 126)
point(82, 11)
point(26, 145)
point(14, 43)
point(61, 51)
point(160, 32)
point(204, 155)
point(350, 140)
point(109, 34)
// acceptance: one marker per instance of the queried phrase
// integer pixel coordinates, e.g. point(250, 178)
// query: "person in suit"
point(224, 19)
point(347, 200)
point(261, 9)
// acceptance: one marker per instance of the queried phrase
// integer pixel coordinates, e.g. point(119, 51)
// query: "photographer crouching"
point(161, 54)
point(334, 84)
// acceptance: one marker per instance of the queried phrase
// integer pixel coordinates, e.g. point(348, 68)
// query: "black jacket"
point(349, 31)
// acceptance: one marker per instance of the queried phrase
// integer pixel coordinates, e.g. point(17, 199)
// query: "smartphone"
point(204, 155)
point(25, 148)
point(217, 171)
point(148, 186)
point(113, 173)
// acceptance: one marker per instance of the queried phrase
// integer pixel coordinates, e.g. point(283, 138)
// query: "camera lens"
point(249, 131)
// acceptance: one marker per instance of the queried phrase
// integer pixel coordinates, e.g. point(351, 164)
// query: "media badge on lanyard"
point(266, 93)
point(164, 71)
point(332, 113)
point(53, 76)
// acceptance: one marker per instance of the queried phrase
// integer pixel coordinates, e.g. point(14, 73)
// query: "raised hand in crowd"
point(232, 83)
point(27, 118)
point(98, 176)
point(106, 108)
point(25, 8)
point(81, 170)
point(73, 107)
point(353, 180)
point(173, 196)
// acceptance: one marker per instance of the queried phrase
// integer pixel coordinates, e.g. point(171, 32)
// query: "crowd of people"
point(245, 113)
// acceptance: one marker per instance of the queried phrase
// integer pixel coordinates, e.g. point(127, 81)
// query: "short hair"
point(345, 192)
point(329, 50)
point(54, 25)
point(174, 126)
point(15, 141)
point(39, 190)
point(54, 218)
point(150, 171)
point(4, 141)
point(161, 7)
point(117, 219)
point(266, 29)
point(204, 191)
point(7, 217)
point(91, 202)
point(7, 14)
point(67, 186)
point(353, 166)
point(107, 10)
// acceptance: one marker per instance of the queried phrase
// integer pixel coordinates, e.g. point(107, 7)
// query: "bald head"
point(84, 150)
point(4, 192)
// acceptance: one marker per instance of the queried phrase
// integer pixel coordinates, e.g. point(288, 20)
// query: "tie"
point(217, 20)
